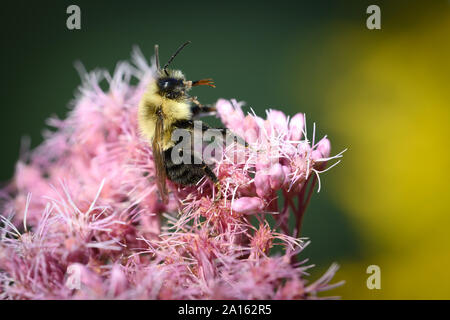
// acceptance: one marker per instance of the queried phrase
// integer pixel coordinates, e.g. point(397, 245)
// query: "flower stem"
point(304, 202)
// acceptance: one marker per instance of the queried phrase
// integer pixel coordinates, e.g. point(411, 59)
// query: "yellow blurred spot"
point(392, 109)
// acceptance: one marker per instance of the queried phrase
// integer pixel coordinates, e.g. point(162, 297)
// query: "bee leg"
point(199, 110)
point(219, 191)
point(210, 174)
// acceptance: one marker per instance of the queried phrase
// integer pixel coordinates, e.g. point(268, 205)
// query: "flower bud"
point(276, 175)
point(251, 129)
point(303, 148)
point(278, 120)
point(230, 113)
point(287, 178)
point(262, 184)
point(263, 163)
point(224, 107)
point(296, 126)
point(248, 205)
point(322, 150)
point(324, 146)
point(250, 123)
point(316, 154)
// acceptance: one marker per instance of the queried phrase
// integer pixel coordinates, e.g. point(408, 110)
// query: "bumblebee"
point(165, 107)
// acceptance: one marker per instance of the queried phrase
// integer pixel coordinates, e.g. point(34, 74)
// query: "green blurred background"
point(384, 94)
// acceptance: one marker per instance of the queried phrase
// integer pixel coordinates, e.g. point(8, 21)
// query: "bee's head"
point(172, 84)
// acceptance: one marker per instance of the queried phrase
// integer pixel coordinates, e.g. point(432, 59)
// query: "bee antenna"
point(174, 55)
point(157, 56)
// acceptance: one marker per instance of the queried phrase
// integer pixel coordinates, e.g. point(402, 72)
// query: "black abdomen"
point(186, 174)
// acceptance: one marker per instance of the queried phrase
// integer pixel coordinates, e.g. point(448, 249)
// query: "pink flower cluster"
point(82, 219)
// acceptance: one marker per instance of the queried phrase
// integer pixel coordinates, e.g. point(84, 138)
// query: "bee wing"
point(158, 158)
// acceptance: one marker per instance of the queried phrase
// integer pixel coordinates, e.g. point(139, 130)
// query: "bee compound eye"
point(165, 84)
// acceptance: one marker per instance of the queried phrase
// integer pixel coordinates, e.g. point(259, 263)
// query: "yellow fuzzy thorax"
point(172, 110)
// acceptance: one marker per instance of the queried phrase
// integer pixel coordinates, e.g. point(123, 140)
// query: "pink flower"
point(82, 219)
